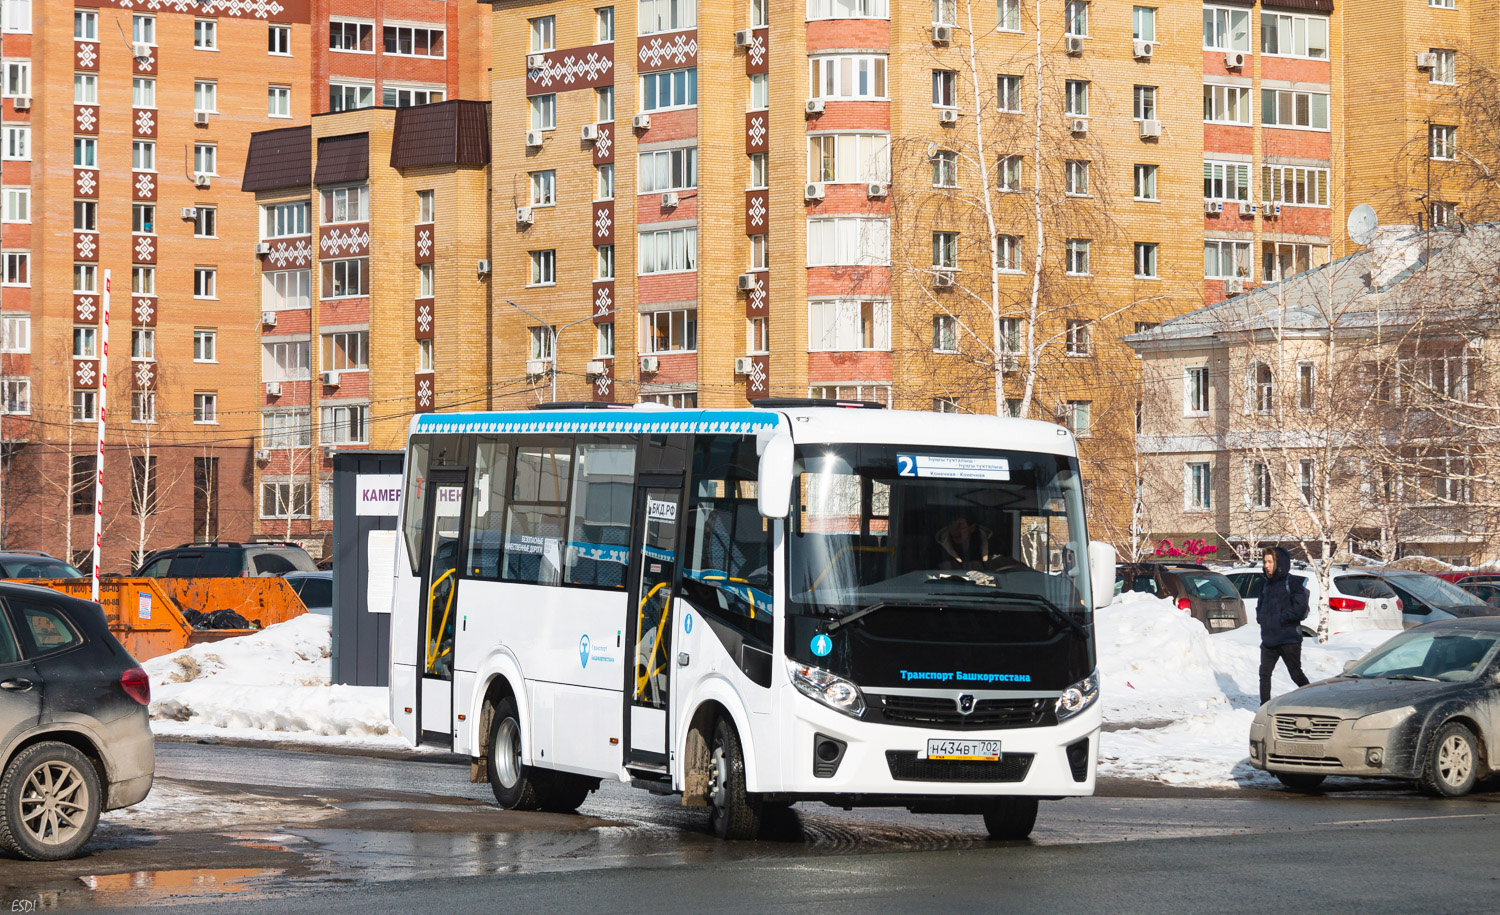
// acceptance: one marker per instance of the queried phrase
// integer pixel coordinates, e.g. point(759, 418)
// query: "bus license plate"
point(967, 750)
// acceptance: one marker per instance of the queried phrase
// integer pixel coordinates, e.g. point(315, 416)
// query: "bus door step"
point(661, 785)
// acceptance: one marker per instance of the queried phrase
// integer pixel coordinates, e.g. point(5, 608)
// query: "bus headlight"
point(831, 690)
point(1078, 697)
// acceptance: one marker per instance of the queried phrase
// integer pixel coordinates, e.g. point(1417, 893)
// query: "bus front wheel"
point(733, 812)
point(1011, 818)
point(515, 785)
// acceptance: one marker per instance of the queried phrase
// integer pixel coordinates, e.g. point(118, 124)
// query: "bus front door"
point(437, 627)
point(652, 570)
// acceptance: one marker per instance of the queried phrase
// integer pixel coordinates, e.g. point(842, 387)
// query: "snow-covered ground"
point(1178, 700)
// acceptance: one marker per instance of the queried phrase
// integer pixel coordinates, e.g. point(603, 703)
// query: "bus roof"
point(806, 424)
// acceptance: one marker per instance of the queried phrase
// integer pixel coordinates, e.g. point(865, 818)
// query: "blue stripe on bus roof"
point(723, 422)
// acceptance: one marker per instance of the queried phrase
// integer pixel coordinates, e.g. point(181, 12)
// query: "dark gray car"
point(74, 736)
point(1424, 707)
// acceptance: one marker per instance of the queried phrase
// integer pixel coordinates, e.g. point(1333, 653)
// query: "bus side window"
point(491, 476)
point(534, 518)
point(414, 500)
point(728, 570)
point(598, 547)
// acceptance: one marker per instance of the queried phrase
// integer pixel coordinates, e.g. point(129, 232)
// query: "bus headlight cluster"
point(831, 690)
point(1078, 697)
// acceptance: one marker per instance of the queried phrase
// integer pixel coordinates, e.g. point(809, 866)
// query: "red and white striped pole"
point(99, 456)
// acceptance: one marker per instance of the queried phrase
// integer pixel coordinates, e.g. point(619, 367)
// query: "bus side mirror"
point(1101, 573)
point(774, 490)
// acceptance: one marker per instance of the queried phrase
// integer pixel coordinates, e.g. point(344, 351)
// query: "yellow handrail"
point(642, 680)
point(432, 654)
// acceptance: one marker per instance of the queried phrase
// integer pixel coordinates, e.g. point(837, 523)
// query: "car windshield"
point(1439, 655)
point(1434, 590)
point(40, 568)
point(1207, 585)
point(897, 524)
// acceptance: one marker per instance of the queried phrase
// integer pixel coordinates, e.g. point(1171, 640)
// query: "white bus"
point(750, 608)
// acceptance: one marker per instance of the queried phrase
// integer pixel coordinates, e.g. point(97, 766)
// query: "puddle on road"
point(144, 887)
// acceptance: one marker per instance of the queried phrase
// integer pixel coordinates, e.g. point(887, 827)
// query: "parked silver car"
point(75, 739)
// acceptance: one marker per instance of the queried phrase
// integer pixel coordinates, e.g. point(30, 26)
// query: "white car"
point(1360, 600)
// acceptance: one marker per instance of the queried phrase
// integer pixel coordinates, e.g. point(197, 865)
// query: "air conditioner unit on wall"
point(273, 389)
point(948, 116)
point(263, 248)
point(815, 106)
point(533, 138)
point(189, 212)
point(743, 365)
point(536, 61)
point(482, 267)
point(944, 278)
point(200, 118)
point(202, 179)
point(268, 318)
point(1078, 125)
point(1142, 49)
point(650, 364)
point(262, 455)
point(1075, 45)
point(1269, 210)
point(1426, 60)
point(1213, 207)
point(537, 366)
point(1247, 208)
point(813, 191)
point(524, 216)
point(670, 200)
point(330, 379)
point(1234, 60)
point(746, 282)
point(641, 122)
point(875, 189)
point(942, 34)
point(595, 367)
point(1234, 285)
point(141, 51)
point(1150, 128)
point(743, 37)
point(589, 133)
point(21, 102)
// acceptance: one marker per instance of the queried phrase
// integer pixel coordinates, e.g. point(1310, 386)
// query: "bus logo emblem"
point(583, 651)
point(965, 704)
point(821, 645)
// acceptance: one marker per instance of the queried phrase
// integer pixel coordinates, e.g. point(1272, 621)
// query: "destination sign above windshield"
point(951, 467)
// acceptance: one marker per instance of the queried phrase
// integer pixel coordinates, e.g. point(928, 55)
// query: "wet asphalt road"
point(266, 830)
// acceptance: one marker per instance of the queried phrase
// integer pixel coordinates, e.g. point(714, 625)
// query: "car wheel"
point(1011, 818)
point(516, 786)
point(1304, 782)
point(51, 802)
point(733, 812)
point(1452, 762)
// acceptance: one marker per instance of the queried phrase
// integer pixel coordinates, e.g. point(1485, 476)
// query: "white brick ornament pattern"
point(88, 55)
point(294, 254)
point(677, 50)
point(247, 9)
point(145, 122)
point(569, 70)
point(145, 311)
point(87, 120)
point(85, 308)
point(338, 241)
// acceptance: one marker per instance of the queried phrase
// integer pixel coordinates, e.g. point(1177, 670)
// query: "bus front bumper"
point(834, 754)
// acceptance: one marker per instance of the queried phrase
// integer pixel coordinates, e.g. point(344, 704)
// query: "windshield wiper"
point(1412, 677)
point(858, 614)
point(1053, 610)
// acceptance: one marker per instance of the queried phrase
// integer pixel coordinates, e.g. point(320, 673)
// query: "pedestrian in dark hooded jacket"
point(1282, 608)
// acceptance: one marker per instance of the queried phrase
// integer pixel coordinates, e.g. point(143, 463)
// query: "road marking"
point(1454, 816)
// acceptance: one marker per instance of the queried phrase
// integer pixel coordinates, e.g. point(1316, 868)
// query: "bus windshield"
point(911, 527)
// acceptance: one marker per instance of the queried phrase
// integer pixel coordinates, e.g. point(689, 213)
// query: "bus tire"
point(733, 812)
point(563, 793)
point(1011, 818)
point(516, 786)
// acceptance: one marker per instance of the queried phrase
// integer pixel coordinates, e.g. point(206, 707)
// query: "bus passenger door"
point(653, 569)
point(436, 628)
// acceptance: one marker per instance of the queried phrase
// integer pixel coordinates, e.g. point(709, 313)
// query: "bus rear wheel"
point(516, 786)
point(1011, 818)
point(733, 812)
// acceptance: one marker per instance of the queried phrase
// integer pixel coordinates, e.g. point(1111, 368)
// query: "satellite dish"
point(1362, 223)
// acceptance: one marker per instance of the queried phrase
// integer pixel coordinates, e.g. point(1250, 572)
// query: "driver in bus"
point(963, 546)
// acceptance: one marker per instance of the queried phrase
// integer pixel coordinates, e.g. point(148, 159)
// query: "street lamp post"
point(554, 332)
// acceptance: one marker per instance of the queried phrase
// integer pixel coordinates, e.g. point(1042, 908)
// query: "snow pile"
point(1180, 701)
point(270, 685)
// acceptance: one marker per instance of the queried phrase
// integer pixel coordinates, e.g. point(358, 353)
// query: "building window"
point(757, 171)
point(345, 278)
point(279, 40)
point(1078, 257)
point(143, 280)
point(1076, 178)
point(1262, 388)
point(351, 37)
point(1295, 185)
point(17, 205)
point(544, 112)
point(287, 360)
point(1307, 480)
point(760, 254)
point(544, 188)
point(945, 169)
point(1442, 213)
point(15, 16)
point(85, 342)
point(1195, 391)
point(1226, 104)
point(1080, 417)
point(205, 345)
point(205, 283)
point(1442, 141)
point(417, 41)
point(848, 325)
point(541, 342)
point(1288, 108)
point(869, 393)
point(944, 334)
point(206, 158)
point(407, 96)
point(425, 207)
point(1079, 338)
point(848, 241)
point(143, 92)
point(1307, 385)
point(85, 278)
point(283, 220)
point(1144, 98)
point(673, 331)
point(284, 499)
point(842, 158)
point(666, 16)
point(1145, 182)
point(669, 89)
point(346, 204)
point(758, 336)
point(205, 407)
point(1008, 94)
point(424, 355)
point(944, 12)
point(143, 406)
point(604, 339)
point(604, 24)
point(847, 9)
point(1260, 485)
point(760, 91)
point(543, 267)
point(286, 289)
point(85, 152)
point(1077, 18)
point(206, 223)
point(1199, 486)
point(350, 96)
point(1008, 15)
point(143, 218)
point(1226, 29)
point(1077, 98)
point(286, 428)
point(143, 155)
point(15, 333)
point(1008, 253)
point(344, 425)
point(668, 251)
point(1280, 260)
point(1145, 260)
point(669, 170)
point(759, 13)
point(346, 351)
point(945, 251)
point(1143, 23)
point(945, 405)
point(205, 96)
point(1008, 173)
point(82, 486)
point(17, 143)
point(1445, 71)
point(85, 22)
point(85, 408)
point(945, 88)
point(1288, 35)
point(85, 89)
point(1226, 181)
point(1224, 260)
point(425, 281)
point(604, 262)
point(848, 76)
point(16, 268)
point(279, 101)
point(206, 34)
point(604, 182)
point(1010, 342)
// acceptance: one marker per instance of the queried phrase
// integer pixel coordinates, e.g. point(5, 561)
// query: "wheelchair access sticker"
point(951, 467)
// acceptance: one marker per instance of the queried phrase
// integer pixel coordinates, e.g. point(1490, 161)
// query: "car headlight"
point(1381, 721)
point(1078, 697)
point(830, 689)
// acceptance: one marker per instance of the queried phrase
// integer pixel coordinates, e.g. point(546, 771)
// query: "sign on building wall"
point(377, 495)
